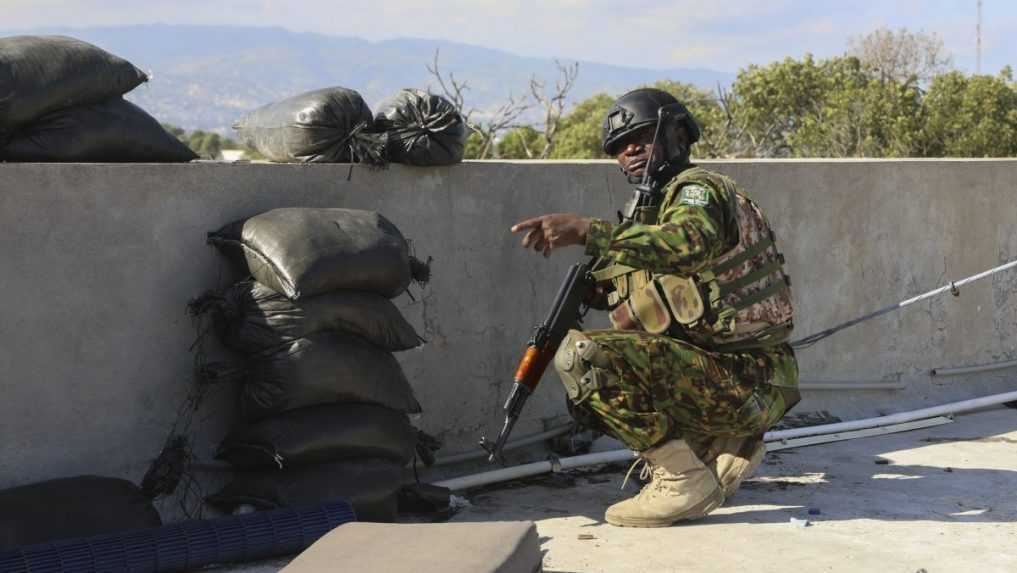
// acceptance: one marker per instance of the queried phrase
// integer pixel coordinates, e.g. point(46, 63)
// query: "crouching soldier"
point(697, 366)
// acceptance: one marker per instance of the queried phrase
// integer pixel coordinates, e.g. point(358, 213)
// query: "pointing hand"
point(549, 232)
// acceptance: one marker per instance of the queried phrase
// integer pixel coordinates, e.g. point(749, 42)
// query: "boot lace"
point(645, 473)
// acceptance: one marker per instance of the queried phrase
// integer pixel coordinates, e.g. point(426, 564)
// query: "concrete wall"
point(100, 260)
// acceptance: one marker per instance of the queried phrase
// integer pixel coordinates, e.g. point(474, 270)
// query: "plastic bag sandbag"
point(421, 128)
point(331, 125)
point(113, 131)
point(40, 74)
point(319, 434)
point(72, 507)
point(371, 486)
point(249, 317)
point(320, 369)
point(301, 252)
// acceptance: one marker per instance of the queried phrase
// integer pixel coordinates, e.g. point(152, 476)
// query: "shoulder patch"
point(695, 195)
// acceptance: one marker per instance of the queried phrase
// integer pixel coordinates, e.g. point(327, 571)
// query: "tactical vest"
point(742, 300)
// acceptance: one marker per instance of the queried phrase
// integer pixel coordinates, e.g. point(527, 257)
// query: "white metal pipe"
point(943, 410)
point(866, 433)
point(594, 459)
point(973, 369)
point(846, 385)
point(536, 468)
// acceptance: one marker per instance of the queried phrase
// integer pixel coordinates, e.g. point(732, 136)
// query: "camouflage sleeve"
point(696, 225)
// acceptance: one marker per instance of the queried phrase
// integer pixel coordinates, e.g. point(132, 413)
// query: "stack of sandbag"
point(330, 125)
point(323, 400)
point(79, 506)
point(421, 129)
point(61, 100)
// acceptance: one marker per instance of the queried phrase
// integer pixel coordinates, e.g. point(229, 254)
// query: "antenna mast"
point(978, 33)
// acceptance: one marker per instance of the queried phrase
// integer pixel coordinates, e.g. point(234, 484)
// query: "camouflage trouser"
point(644, 389)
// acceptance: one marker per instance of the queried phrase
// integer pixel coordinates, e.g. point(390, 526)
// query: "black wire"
point(814, 338)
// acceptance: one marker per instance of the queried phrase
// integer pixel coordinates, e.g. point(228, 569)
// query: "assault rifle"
point(567, 312)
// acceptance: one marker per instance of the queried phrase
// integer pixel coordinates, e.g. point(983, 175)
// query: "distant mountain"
point(208, 76)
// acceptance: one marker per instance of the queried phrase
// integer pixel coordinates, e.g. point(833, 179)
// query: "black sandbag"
point(40, 74)
point(331, 125)
point(302, 252)
point(421, 128)
point(72, 507)
point(424, 499)
point(319, 434)
point(322, 369)
point(249, 317)
point(113, 131)
point(369, 485)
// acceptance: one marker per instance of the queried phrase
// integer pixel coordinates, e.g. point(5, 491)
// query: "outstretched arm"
point(697, 224)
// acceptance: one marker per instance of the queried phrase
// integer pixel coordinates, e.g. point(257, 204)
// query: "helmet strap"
point(671, 167)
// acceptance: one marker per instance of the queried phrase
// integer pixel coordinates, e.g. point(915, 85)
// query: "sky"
point(724, 35)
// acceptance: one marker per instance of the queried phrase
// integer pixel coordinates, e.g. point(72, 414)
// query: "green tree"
point(208, 145)
point(474, 147)
point(827, 108)
point(971, 116)
point(858, 115)
point(175, 131)
point(901, 55)
point(771, 103)
point(521, 143)
point(705, 107)
point(580, 133)
point(195, 139)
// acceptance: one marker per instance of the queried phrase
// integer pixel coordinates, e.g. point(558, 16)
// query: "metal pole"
point(952, 287)
point(978, 33)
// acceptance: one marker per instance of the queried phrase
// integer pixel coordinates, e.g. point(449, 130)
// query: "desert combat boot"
point(731, 459)
point(681, 488)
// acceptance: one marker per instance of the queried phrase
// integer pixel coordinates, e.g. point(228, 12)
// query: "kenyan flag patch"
point(695, 195)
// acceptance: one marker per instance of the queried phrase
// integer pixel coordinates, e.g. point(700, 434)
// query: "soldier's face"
point(634, 152)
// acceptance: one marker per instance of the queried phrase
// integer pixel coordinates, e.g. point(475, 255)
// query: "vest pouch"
point(622, 317)
point(638, 280)
point(650, 309)
point(613, 298)
point(683, 296)
point(621, 286)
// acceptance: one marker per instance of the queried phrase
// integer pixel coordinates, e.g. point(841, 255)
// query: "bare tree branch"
point(901, 54)
point(553, 103)
point(452, 89)
point(740, 140)
point(502, 117)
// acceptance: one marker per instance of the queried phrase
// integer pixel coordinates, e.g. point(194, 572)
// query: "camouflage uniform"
point(645, 389)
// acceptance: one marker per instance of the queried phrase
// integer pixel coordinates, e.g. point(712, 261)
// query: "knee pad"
point(582, 366)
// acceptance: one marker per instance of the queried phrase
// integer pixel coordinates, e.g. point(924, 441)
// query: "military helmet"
point(638, 108)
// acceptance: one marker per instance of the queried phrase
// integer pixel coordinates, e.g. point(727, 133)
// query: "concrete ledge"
point(100, 260)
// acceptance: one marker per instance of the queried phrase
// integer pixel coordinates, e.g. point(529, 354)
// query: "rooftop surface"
point(943, 500)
